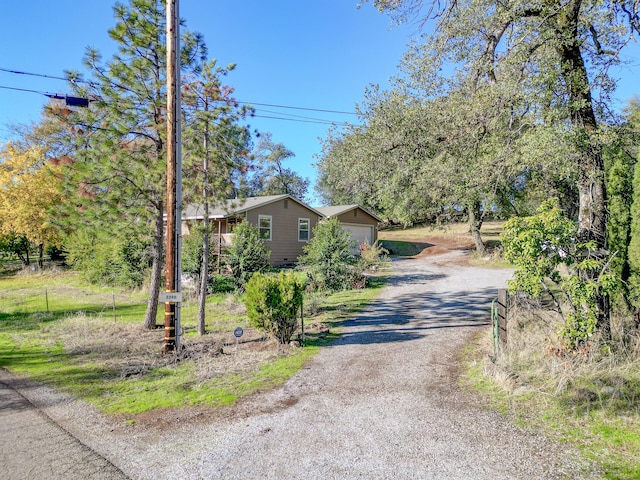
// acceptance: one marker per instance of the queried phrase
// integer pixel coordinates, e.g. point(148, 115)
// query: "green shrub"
point(192, 252)
point(247, 254)
point(273, 304)
point(328, 258)
point(372, 256)
point(55, 253)
point(220, 284)
point(537, 246)
point(109, 260)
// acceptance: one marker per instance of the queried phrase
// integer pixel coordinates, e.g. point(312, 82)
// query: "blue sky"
point(320, 55)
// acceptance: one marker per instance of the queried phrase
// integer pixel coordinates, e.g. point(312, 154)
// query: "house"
point(362, 225)
point(285, 223)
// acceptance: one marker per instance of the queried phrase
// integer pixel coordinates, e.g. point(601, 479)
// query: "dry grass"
point(129, 350)
point(591, 399)
point(451, 236)
point(534, 353)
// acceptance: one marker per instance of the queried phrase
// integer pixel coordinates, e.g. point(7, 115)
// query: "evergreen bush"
point(273, 304)
point(109, 260)
point(247, 254)
point(328, 258)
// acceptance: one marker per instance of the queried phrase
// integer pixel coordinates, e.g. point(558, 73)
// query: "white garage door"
point(359, 234)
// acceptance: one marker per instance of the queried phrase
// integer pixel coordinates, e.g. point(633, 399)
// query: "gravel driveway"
point(381, 403)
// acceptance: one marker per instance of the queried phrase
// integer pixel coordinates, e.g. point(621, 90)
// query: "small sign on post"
point(238, 333)
point(170, 297)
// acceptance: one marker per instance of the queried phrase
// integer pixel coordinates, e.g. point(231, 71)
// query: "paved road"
point(32, 447)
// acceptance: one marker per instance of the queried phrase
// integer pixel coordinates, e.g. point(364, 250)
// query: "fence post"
point(502, 315)
point(46, 298)
point(302, 323)
point(113, 302)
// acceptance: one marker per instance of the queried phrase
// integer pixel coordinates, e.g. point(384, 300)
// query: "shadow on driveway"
point(411, 316)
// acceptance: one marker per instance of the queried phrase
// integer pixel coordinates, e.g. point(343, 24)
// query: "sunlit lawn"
point(89, 342)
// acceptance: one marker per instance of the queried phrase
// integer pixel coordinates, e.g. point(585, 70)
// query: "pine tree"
point(218, 151)
point(634, 242)
point(117, 178)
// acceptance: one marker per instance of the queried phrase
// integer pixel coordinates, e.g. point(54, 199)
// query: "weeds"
point(589, 398)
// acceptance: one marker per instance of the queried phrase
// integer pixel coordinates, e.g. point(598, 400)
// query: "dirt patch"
point(439, 245)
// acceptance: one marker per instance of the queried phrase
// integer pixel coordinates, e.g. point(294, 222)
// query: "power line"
point(18, 72)
point(300, 119)
point(298, 108)
point(319, 122)
point(341, 112)
point(274, 112)
point(22, 90)
point(69, 99)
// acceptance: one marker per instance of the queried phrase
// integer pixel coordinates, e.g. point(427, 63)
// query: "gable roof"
point(195, 211)
point(337, 210)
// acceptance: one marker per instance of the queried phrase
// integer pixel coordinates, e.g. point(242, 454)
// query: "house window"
point(304, 225)
point(264, 226)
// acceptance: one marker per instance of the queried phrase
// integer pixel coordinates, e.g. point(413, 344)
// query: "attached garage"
point(360, 234)
point(362, 225)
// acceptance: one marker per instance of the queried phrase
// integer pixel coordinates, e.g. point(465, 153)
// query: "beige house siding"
point(358, 216)
point(284, 244)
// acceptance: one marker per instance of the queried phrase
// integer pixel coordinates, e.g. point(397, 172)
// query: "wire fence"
point(59, 301)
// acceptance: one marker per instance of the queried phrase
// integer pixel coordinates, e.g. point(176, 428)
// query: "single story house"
point(285, 223)
point(362, 225)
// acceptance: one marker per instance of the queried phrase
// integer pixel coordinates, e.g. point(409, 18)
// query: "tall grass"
point(591, 398)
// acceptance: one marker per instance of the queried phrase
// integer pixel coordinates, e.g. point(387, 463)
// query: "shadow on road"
point(411, 316)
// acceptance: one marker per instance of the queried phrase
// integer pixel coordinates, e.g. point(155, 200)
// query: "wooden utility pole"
point(174, 183)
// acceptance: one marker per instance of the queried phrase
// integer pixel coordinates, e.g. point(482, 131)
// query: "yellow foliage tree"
point(29, 189)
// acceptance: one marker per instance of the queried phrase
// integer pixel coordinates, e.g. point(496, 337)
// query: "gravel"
point(381, 402)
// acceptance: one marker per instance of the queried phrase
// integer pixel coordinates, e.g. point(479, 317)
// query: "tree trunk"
point(592, 213)
point(204, 274)
point(475, 223)
point(204, 269)
point(41, 256)
point(156, 271)
point(24, 260)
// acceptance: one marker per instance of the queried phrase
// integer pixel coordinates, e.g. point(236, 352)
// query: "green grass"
point(605, 429)
point(341, 306)
point(57, 295)
point(78, 348)
point(401, 248)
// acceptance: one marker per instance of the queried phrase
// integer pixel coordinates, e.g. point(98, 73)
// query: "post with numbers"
point(174, 167)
